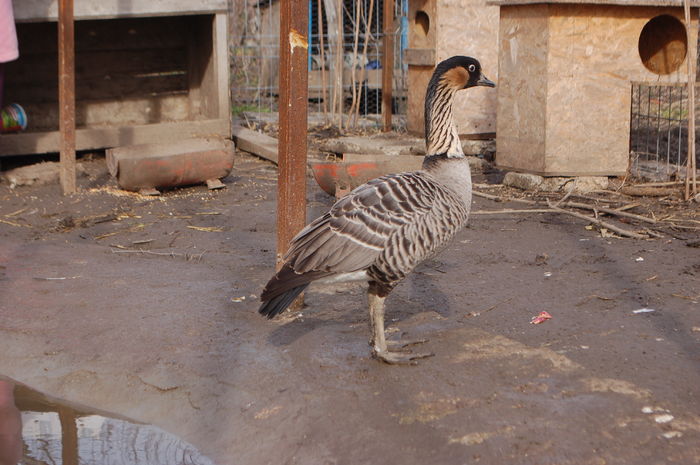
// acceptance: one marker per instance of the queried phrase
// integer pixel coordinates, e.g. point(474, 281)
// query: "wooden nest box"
point(145, 72)
point(566, 70)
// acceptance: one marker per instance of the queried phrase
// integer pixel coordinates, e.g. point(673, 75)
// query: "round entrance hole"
point(663, 44)
point(422, 23)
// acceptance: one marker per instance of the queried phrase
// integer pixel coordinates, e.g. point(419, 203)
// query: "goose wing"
point(357, 229)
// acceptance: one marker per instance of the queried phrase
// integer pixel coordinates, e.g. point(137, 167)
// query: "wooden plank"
point(419, 56)
point(200, 68)
point(43, 10)
point(256, 143)
point(390, 163)
point(66, 95)
point(293, 102)
point(112, 136)
point(334, 19)
point(209, 68)
point(221, 84)
point(388, 64)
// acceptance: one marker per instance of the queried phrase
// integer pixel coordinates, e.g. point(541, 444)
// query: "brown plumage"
point(383, 229)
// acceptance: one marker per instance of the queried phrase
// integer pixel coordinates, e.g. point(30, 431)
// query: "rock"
point(524, 181)
point(528, 181)
point(39, 173)
point(479, 147)
point(383, 144)
point(582, 184)
point(478, 165)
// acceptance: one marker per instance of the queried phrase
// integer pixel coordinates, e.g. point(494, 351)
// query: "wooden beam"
point(66, 94)
point(388, 63)
point(291, 185)
point(256, 143)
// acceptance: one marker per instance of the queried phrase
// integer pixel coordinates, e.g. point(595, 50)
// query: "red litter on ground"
point(541, 318)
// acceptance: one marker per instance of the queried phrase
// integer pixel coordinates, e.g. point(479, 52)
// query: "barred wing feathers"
point(387, 225)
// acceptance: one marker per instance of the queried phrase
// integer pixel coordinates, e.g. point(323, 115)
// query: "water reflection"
point(55, 433)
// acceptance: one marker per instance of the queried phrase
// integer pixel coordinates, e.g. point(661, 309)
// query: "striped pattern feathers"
point(386, 226)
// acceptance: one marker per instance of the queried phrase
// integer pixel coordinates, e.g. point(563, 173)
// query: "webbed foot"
point(380, 346)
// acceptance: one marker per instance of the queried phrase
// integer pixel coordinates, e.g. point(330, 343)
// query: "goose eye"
point(472, 68)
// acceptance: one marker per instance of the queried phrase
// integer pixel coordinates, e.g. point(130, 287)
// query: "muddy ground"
point(146, 308)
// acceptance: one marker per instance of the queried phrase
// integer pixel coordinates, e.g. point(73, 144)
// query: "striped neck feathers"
point(440, 131)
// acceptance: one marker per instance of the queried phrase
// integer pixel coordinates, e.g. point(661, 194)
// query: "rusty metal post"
point(388, 62)
point(66, 94)
point(293, 101)
point(69, 436)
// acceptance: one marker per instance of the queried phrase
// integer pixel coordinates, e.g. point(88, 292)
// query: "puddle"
point(57, 433)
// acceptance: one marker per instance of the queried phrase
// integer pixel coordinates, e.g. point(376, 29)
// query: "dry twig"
point(187, 256)
point(609, 211)
point(11, 223)
point(510, 211)
point(601, 223)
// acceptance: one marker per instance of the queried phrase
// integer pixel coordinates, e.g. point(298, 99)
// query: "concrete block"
point(582, 184)
point(383, 144)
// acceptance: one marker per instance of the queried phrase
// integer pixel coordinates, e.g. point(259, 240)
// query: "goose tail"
point(276, 305)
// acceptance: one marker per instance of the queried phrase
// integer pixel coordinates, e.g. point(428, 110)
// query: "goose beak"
point(483, 81)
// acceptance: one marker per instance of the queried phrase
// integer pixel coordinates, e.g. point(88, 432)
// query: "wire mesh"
point(254, 52)
point(659, 130)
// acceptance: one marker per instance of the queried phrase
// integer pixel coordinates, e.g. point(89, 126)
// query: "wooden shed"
point(145, 72)
point(566, 73)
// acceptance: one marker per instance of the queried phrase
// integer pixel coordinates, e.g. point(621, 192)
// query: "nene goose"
point(383, 229)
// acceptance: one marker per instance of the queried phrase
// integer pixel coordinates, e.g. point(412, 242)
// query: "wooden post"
point(322, 53)
point(293, 101)
point(334, 21)
point(388, 63)
point(66, 94)
point(690, 166)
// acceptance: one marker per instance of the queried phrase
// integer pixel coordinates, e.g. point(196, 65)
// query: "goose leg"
point(378, 341)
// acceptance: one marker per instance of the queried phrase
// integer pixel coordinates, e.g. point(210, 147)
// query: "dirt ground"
point(146, 307)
